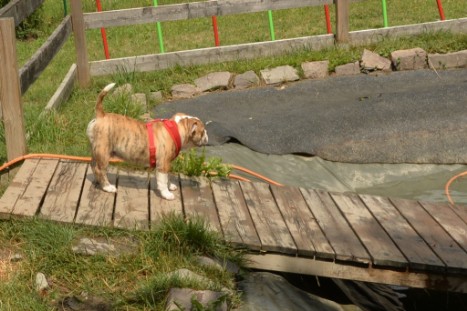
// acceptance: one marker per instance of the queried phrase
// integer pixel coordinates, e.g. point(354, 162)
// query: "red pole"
point(103, 34)
point(328, 19)
point(440, 9)
point(216, 31)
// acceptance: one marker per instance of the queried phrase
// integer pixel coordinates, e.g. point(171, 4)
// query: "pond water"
point(412, 181)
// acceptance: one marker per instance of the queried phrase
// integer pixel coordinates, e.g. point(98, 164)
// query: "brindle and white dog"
point(112, 134)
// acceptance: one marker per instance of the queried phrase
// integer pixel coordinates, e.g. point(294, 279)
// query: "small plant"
point(193, 163)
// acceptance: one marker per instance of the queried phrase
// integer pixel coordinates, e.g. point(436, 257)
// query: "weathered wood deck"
point(348, 236)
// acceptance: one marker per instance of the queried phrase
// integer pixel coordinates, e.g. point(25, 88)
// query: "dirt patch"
point(9, 263)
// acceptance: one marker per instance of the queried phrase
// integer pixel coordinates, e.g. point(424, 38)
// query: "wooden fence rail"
point(184, 11)
point(20, 9)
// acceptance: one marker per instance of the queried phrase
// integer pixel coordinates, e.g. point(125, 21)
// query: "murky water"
point(413, 181)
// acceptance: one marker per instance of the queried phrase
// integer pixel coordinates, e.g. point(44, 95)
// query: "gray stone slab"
point(279, 75)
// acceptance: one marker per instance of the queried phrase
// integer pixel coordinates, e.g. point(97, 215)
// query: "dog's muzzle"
point(204, 139)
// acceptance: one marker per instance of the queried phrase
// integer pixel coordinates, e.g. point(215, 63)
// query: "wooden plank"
point(342, 21)
point(184, 11)
point(460, 210)
point(380, 246)
point(10, 95)
point(19, 9)
point(449, 220)
point(434, 235)
point(44, 55)
point(30, 201)
point(212, 55)
point(417, 252)
point(302, 225)
point(370, 36)
point(96, 206)
point(198, 201)
point(300, 265)
point(235, 219)
point(160, 207)
point(17, 187)
point(61, 201)
point(343, 240)
point(82, 62)
point(63, 91)
point(271, 227)
point(132, 205)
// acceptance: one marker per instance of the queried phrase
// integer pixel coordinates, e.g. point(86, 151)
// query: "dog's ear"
point(193, 127)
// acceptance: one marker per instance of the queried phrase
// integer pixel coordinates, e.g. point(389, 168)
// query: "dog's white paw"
point(172, 187)
point(110, 188)
point(166, 194)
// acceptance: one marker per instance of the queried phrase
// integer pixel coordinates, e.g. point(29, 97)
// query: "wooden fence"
point(14, 82)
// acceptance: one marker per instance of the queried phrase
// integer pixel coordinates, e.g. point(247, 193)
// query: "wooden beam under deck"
point(309, 266)
point(348, 236)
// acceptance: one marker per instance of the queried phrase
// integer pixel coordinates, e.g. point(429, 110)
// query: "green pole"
point(271, 26)
point(159, 33)
point(65, 12)
point(385, 14)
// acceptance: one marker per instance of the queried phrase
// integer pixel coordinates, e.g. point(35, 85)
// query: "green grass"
point(134, 281)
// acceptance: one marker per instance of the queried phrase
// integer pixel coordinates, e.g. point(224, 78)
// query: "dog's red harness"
point(172, 129)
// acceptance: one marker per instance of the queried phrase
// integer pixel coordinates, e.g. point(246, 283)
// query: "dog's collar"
point(172, 129)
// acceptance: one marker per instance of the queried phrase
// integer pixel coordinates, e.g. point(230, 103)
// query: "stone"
point(449, 60)
point(88, 303)
point(180, 91)
point(41, 282)
point(279, 75)
point(316, 70)
point(156, 96)
point(372, 61)
point(100, 246)
point(246, 80)
point(348, 69)
point(181, 299)
point(411, 59)
point(267, 291)
point(214, 81)
point(16, 257)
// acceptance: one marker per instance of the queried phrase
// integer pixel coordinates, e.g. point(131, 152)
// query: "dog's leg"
point(99, 168)
point(162, 183)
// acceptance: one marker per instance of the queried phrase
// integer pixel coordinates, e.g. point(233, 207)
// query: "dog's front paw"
point(166, 194)
point(172, 187)
point(110, 188)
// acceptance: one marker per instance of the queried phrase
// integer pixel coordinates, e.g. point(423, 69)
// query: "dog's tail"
point(100, 98)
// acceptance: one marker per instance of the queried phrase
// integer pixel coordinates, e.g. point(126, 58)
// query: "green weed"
point(194, 163)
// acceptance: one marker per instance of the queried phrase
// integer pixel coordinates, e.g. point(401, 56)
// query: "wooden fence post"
point(10, 93)
point(82, 64)
point(342, 21)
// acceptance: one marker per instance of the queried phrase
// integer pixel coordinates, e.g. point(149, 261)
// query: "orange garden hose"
point(448, 184)
point(115, 160)
point(255, 174)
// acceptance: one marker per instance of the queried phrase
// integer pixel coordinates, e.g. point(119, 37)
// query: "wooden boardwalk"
point(339, 235)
